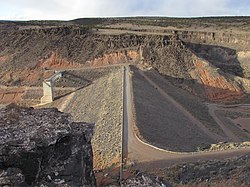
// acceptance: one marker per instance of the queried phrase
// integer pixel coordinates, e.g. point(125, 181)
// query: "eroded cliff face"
point(25, 77)
point(130, 56)
point(244, 59)
point(221, 38)
point(206, 71)
point(43, 147)
point(26, 54)
point(11, 95)
point(168, 55)
point(55, 61)
point(220, 57)
point(217, 87)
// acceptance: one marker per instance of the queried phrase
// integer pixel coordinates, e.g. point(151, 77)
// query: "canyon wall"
point(214, 37)
point(130, 56)
point(25, 55)
point(207, 71)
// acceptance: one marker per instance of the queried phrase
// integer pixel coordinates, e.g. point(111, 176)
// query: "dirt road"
point(228, 132)
point(148, 156)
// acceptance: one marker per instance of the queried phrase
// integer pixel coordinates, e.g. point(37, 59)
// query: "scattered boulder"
point(145, 180)
point(44, 147)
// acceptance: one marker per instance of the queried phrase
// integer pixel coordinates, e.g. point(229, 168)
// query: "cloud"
point(70, 9)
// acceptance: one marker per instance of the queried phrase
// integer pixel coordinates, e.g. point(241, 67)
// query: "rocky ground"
point(226, 146)
point(223, 173)
point(231, 172)
point(44, 147)
point(142, 180)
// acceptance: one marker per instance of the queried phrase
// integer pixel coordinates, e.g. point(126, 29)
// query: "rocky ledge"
point(43, 147)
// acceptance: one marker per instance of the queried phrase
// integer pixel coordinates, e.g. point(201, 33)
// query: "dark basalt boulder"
point(44, 147)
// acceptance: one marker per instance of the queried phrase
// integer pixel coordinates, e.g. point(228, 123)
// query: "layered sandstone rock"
point(25, 77)
point(10, 95)
point(43, 147)
point(56, 61)
point(130, 56)
point(217, 86)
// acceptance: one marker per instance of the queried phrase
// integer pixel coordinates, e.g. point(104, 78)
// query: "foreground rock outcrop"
point(43, 147)
point(145, 180)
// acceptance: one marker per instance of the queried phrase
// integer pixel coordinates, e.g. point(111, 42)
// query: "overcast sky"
point(71, 9)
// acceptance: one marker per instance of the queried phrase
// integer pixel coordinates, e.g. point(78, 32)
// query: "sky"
point(71, 9)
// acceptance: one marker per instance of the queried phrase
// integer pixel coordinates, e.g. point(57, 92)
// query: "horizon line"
point(137, 16)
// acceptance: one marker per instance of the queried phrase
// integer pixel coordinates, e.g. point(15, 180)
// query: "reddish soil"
point(11, 95)
point(116, 58)
point(55, 61)
point(25, 77)
point(217, 87)
point(108, 176)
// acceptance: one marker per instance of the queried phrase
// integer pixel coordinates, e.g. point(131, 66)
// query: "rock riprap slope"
point(101, 103)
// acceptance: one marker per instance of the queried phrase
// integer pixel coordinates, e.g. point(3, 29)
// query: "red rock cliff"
point(217, 86)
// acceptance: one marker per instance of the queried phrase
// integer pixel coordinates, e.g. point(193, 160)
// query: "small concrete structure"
point(48, 89)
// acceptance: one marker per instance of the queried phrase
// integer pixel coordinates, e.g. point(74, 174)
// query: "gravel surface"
point(161, 123)
point(193, 104)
